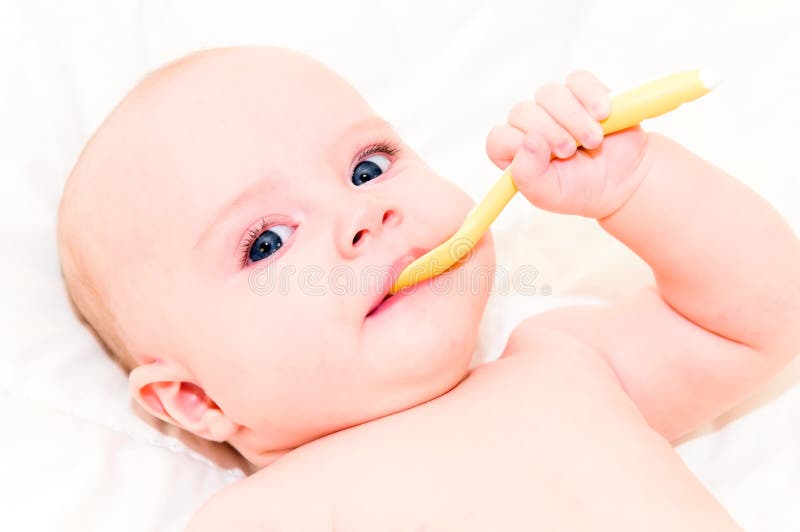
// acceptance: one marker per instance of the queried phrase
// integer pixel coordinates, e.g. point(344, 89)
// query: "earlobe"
point(219, 427)
point(164, 389)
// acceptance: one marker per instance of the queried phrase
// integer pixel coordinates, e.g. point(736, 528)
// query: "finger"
point(533, 174)
point(591, 92)
point(529, 117)
point(502, 143)
point(559, 102)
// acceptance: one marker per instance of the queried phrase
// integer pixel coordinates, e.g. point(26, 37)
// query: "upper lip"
point(395, 269)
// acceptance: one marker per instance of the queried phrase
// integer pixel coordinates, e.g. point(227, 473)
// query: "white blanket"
point(77, 457)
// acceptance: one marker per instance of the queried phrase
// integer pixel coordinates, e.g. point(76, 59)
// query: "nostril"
point(389, 215)
point(357, 237)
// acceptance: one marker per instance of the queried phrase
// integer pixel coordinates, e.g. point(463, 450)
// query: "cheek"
point(297, 336)
point(267, 355)
point(452, 200)
point(435, 195)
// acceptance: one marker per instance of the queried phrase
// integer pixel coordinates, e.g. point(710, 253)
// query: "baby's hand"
point(593, 181)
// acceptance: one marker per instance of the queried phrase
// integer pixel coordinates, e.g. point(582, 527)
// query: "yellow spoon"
point(628, 108)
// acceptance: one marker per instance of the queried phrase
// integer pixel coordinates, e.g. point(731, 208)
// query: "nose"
point(365, 223)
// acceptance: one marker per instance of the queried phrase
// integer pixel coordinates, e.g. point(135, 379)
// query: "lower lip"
point(396, 298)
point(402, 295)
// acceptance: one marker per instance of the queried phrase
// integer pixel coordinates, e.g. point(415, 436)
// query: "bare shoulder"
point(559, 325)
point(559, 337)
point(280, 497)
point(231, 508)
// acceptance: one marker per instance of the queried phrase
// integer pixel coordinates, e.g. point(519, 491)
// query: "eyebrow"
point(264, 185)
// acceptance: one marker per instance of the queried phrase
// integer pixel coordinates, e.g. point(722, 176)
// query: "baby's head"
point(226, 237)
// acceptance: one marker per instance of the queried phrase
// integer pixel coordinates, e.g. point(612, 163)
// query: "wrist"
point(638, 175)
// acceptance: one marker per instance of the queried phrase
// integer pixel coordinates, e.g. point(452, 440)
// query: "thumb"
point(533, 174)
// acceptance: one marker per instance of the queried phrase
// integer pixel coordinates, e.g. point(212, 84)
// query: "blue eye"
point(369, 169)
point(268, 242)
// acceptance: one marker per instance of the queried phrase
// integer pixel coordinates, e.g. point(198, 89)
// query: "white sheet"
point(78, 458)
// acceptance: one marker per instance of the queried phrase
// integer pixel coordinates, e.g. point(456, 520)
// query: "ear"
point(164, 389)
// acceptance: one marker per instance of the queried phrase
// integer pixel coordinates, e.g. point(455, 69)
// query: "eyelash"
point(385, 146)
point(252, 234)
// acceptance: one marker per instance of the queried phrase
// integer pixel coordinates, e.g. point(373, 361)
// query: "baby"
point(234, 167)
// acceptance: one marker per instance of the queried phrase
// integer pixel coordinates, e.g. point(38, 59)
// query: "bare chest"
point(536, 441)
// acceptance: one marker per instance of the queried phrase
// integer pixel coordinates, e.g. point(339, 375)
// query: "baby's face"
point(263, 241)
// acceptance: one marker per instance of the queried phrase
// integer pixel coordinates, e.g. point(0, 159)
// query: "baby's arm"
point(725, 312)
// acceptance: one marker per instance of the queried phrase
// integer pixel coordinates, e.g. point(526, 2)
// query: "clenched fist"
point(594, 180)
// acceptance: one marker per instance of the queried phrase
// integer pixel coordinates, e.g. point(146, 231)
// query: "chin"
point(426, 340)
point(446, 358)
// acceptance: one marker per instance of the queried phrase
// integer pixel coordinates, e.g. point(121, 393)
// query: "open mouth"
point(395, 269)
point(388, 299)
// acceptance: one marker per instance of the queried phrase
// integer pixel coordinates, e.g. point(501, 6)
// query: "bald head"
point(203, 118)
